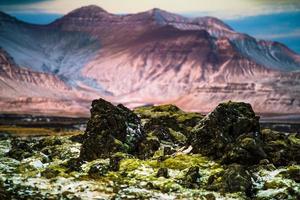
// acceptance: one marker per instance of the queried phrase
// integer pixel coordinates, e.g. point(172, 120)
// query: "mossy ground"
point(29, 131)
point(135, 178)
point(51, 166)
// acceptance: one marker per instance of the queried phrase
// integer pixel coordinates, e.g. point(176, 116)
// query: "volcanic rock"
point(20, 149)
point(110, 129)
point(237, 179)
point(223, 127)
point(281, 148)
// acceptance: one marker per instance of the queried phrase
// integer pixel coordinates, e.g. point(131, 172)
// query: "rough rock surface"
point(166, 126)
point(110, 129)
point(281, 148)
point(236, 179)
point(223, 127)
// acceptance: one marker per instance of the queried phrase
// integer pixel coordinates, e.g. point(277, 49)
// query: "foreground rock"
point(166, 127)
point(232, 129)
point(110, 129)
point(282, 148)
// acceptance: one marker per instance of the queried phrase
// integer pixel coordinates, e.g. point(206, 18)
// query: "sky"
point(277, 20)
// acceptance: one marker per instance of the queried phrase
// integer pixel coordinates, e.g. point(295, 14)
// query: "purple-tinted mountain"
point(152, 57)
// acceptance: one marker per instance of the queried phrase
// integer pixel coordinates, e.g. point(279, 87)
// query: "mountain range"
point(152, 57)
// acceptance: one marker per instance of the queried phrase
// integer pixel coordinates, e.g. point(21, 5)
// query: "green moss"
point(294, 140)
point(278, 144)
point(184, 161)
point(179, 137)
point(274, 184)
point(130, 164)
point(168, 111)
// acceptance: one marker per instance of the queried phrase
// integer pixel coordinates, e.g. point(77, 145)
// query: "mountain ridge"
point(154, 57)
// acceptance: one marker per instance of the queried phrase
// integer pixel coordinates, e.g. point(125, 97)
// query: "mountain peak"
point(92, 9)
point(85, 14)
point(162, 17)
point(157, 10)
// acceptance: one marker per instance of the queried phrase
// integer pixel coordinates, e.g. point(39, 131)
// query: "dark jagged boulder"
point(98, 170)
point(247, 150)
point(192, 177)
point(115, 160)
point(148, 147)
point(50, 173)
point(110, 129)
point(237, 179)
point(20, 149)
point(293, 173)
point(219, 131)
point(163, 172)
point(281, 148)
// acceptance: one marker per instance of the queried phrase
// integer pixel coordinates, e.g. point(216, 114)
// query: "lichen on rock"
point(110, 129)
point(220, 130)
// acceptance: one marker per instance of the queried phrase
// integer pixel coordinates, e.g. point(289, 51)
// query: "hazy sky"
point(277, 20)
point(220, 8)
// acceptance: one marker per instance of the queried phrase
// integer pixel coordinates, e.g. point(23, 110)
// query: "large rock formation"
point(110, 129)
point(222, 127)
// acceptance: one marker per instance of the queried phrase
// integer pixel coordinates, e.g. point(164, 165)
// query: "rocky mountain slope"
point(23, 90)
point(156, 57)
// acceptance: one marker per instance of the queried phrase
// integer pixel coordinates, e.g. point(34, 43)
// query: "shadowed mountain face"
point(151, 57)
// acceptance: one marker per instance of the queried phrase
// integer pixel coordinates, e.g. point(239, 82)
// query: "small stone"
point(237, 179)
point(210, 196)
point(115, 161)
point(49, 173)
point(98, 170)
point(168, 151)
point(264, 162)
point(163, 172)
point(192, 177)
point(74, 164)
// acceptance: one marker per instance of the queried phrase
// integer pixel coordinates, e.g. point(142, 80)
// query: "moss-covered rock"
point(110, 129)
point(115, 160)
point(163, 172)
point(281, 148)
point(192, 177)
point(4, 194)
point(20, 149)
point(293, 172)
point(45, 142)
point(168, 122)
point(247, 150)
point(222, 127)
point(98, 170)
point(50, 173)
point(73, 164)
point(148, 147)
point(237, 179)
